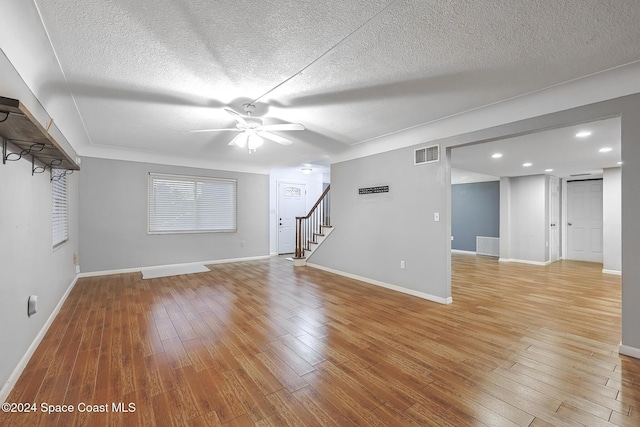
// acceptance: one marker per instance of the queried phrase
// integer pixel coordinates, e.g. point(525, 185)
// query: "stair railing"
point(310, 226)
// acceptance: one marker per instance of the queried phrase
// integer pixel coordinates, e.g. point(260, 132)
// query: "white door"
point(292, 201)
point(584, 220)
point(554, 219)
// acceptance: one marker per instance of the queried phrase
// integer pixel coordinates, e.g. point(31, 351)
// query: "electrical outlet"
point(402, 265)
point(242, 243)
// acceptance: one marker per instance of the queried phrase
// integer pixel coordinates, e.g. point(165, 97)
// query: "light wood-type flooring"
point(264, 343)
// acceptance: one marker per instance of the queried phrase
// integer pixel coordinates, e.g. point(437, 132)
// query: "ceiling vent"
point(425, 155)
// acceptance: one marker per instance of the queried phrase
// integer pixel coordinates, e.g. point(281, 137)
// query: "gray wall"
point(611, 216)
point(113, 219)
point(475, 211)
point(373, 233)
point(28, 263)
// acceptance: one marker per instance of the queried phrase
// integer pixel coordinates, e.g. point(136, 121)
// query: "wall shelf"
point(18, 128)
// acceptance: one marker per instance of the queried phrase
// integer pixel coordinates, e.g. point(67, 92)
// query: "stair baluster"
point(310, 225)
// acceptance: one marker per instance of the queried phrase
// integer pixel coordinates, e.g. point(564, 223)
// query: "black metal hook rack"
point(59, 173)
point(29, 139)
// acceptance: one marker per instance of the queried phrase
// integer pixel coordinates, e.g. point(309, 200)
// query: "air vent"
point(581, 174)
point(426, 155)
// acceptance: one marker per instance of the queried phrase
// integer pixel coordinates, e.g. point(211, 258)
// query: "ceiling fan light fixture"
point(253, 141)
point(240, 140)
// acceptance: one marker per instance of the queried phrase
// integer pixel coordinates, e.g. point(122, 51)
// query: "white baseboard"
point(614, 272)
point(460, 251)
point(137, 269)
point(629, 351)
point(524, 261)
point(13, 378)
point(418, 294)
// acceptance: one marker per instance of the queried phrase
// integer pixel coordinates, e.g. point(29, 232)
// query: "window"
point(186, 204)
point(60, 224)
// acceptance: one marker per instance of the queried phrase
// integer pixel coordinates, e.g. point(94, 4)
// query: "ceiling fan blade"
point(283, 126)
point(240, 140)
point(214, 130)
point(236, 116)
point(275, 138)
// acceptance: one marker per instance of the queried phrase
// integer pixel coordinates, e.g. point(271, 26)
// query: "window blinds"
point(60, 225)
point(184, 204)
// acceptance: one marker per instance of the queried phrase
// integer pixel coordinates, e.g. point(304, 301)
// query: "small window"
point(292, 192)
point(60, 224)
point(186, 204)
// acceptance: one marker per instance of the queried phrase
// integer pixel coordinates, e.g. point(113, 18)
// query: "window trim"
point(192, 179)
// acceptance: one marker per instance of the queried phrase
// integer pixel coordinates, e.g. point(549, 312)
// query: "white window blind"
point(186, 204)
point(60, 224)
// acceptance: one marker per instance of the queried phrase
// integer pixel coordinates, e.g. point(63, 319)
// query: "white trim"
point(629, 351)
point(525, 261)
point(418, 294)
point(614, 272)
point(15, 375)
point(460, 251)
point(137, 269)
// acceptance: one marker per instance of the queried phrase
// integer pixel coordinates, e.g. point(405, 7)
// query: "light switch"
point(32, 305)
point(436, 216)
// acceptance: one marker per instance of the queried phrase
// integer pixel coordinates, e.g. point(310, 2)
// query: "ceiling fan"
point(252, 130)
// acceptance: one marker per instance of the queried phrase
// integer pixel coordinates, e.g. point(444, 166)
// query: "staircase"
point(312, 229)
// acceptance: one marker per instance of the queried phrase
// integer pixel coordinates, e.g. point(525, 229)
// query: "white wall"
point(524, 216)
point(612, 217)
point(314, 182)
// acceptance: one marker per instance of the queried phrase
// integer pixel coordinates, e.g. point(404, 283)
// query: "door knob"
point(570, 223)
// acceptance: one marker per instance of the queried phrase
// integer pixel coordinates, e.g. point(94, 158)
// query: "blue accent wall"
point(475, 211)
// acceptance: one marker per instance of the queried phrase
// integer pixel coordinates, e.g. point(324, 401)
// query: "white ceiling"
point(140, 74)
point(559, 150)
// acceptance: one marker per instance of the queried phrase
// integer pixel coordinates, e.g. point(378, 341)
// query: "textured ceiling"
point(144, 72)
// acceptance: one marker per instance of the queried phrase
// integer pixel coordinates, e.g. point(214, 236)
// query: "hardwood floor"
point(262, 343)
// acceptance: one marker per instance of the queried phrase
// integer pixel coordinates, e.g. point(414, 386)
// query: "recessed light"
point(496, 155)
point(526, 165)
point(583, 134)
point(548, 170)
point(605, 149)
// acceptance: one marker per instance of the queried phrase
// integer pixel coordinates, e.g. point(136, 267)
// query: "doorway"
point(292, 201)
point(584, 220)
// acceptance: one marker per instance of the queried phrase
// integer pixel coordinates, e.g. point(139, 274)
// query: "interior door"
point(292, 201)
point(554, 219)
point(584, 220)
